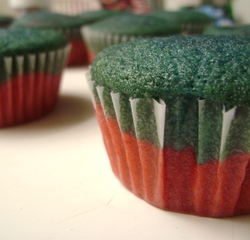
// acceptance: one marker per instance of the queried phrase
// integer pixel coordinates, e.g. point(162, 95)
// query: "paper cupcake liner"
point(156, 4)
point(31, 86)
point(194, 28)
point(70, 7)
point(141, 6)
point(78, 53)
point(179, 164)
point(97, 41)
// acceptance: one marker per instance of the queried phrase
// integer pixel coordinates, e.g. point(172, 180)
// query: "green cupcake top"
point(135, 25)
point(47, 20)
point(227, 30)
point(210, 67)
point(97, 15)
point(183, 16)
point(25, 41)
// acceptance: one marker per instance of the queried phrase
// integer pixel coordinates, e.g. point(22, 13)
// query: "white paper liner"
point(156, 4)
point(101, 40)
point(32, 60)
point(228, 117)
point(159, 113)
point(201, 103)
point(193, 28)
point(100, 91)
point(159, 110)
point(91, 87)
point(8, 66)
point(70, 7)
point(26, 4)
point(59, 57)
point(115, 99)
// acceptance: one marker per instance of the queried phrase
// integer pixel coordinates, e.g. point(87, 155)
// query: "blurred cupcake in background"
point(74, 7)
point(22, 7)
point(140, 6)
point(191, 21)
point(97, 15)
point(123, 28)
point(240, 30)
point(135, 6)
point(68, 25)
point(115, 4)
point(31, 63)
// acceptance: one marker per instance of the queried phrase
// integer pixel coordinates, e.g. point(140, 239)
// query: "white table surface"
point(56, 184)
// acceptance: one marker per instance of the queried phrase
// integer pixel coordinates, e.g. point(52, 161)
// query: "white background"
point(56, 184)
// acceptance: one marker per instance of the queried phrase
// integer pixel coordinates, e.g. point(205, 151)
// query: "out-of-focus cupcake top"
point(227, 30)
point(135, 25)
point(46, 19)
point(210, 67)
point(183, 16)
point(96, 15)
point(28, 41)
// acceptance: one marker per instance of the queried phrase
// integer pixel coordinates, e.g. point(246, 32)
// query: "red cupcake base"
point(27, 97)
point(79, 54)
point(172, 180)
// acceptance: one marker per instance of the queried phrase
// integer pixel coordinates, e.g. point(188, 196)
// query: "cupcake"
point(123, 28)
point(96, 15)
point(5, 21)
point(140, 6)
point(22, 7)
point(241, 30)
point(135, 6)
point(191, 21)
point(115, 5)
point(175, 118)
point(68, 25)
point(73, 7)
point(31, 63)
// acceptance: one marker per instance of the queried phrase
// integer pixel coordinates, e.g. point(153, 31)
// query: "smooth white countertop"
point(56, 184)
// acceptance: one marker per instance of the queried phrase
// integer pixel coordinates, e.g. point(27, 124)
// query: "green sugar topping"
point(135, 25)
point(45, 19)
point(183, 16)
point(26, 41)
point(211, 67)
point(97, 15)
point(228, 30)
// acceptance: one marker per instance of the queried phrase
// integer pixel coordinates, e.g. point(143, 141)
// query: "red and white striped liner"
point(169, 179)
point(72, 7)
point(28, 96)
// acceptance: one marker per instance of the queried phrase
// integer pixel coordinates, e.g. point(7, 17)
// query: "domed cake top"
point(22, 41)
point(135, 25)
point(209, 67)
